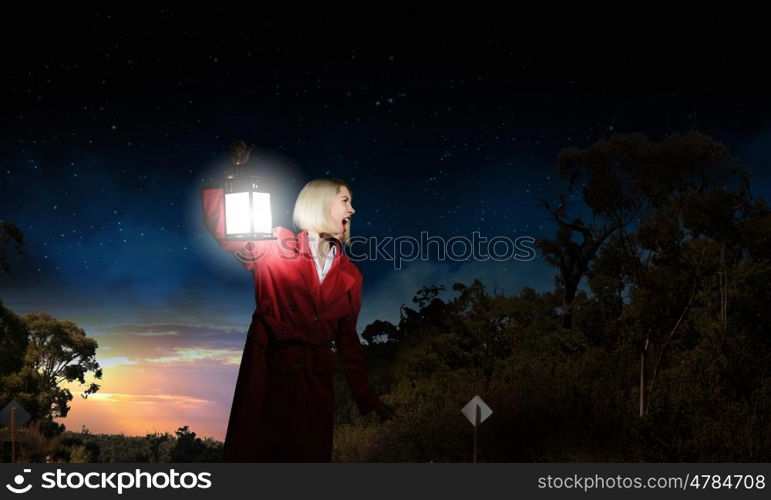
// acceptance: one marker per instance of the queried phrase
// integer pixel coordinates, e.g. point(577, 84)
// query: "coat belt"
point(287, 334)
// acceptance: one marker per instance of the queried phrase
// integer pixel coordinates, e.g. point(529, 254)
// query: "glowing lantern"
point(247, 200)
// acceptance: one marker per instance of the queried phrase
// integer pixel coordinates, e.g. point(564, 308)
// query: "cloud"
point(137, 413)
point(171, 343)
point(171, 329)
point(115, 361)
point(153, 399)
point(225, 356)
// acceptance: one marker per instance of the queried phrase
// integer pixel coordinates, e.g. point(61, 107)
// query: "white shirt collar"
point(321, 271)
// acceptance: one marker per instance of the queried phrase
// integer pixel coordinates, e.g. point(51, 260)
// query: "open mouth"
point(346, 221)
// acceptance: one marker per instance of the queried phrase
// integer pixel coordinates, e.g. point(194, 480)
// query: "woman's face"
point(341, 211)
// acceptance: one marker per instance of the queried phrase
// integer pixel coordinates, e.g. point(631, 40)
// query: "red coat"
point(283, 406)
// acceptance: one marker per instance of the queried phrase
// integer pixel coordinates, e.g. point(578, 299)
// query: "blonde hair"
point(311, 210)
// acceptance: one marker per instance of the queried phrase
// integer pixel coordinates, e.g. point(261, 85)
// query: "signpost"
point(13, 416)
point(476, 411)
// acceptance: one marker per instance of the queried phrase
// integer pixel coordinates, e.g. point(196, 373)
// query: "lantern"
point(247, 200)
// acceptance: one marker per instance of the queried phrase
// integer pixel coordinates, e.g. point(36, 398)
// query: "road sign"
point(13, 416)
point(470, 410)
point(476, 411)
point(21, 415)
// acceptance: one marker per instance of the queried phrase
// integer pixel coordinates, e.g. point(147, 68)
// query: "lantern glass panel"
point(237, 213)
point(261, 215)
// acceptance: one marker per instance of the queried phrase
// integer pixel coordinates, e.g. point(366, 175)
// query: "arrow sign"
point(470, 410)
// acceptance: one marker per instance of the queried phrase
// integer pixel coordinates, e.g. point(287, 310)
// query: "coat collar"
point(338, 281)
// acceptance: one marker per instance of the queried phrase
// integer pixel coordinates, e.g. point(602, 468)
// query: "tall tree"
point(58, 352)
point(600, 179)
point(674, 207)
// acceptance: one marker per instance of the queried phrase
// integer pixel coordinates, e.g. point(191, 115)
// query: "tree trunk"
point(567, 320)
point(643, 401)
point(569, 296)
point(723, 275)
point(661, 347)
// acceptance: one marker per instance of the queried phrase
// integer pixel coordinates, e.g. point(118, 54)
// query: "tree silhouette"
point(379, 331)
point(669, 211)
point(603, 177)
point(13, 344)
point(188, 447)
point(11, 244)
point(58, 352)
point(155, 440)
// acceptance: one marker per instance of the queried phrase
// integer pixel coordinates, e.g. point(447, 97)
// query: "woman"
point(308, 296)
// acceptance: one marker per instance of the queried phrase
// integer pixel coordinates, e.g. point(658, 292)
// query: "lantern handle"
point(239, 152)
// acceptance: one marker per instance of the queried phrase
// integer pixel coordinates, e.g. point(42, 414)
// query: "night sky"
point(446, 123)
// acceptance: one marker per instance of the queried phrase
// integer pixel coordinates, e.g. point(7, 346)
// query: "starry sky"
point(447, 123)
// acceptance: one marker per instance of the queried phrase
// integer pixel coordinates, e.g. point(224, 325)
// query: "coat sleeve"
point(247, 252)
point(352, 356)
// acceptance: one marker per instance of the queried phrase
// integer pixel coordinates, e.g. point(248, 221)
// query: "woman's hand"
point(385, 412)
